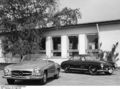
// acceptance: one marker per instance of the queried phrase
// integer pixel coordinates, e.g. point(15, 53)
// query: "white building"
point(60, 43)
point(81, 39)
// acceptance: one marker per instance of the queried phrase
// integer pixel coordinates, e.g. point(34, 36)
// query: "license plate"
point(18, 76)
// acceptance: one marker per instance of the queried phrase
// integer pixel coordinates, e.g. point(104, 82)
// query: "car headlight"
point(36, 71)
point(101, 65)
point(7, 71)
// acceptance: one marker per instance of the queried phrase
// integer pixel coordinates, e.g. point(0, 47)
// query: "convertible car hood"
point(28, 65)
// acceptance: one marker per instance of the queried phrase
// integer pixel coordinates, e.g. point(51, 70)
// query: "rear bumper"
point(23, 77)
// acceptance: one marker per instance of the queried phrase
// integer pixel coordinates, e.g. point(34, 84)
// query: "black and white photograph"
point(59, 43)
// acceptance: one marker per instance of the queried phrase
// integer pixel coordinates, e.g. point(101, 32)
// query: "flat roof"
point(75, 25)
point(85, 24)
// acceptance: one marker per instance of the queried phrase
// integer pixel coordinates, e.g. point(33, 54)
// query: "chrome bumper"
point(23, 77)
point(104, 70)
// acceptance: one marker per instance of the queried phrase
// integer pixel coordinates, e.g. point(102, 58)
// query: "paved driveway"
point(75, 78)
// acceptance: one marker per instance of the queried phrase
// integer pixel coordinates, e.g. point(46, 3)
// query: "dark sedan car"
point(87, 62)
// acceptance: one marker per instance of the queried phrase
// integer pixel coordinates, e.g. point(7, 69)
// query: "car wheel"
point(110, 71)
point(44, 79)
point(10, 81)
point(57, 74)
point(67, 68)
point(92, 70)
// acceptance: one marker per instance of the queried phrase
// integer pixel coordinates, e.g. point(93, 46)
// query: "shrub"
point(110, 56)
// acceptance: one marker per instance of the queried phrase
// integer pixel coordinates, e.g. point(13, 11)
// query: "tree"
point(66, 17)
point(26, 18)
point(26, 14)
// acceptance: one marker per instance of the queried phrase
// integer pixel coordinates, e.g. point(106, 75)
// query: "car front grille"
point(21, 73)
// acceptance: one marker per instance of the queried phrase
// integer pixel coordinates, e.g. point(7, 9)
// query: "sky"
point(94, 10)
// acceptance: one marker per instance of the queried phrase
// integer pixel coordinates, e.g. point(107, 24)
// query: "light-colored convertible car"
point(32, 67)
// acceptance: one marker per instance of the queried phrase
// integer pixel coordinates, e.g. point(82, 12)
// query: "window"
point(73, 45)
point(92, 42)
point(56, 46)
point(43, 45)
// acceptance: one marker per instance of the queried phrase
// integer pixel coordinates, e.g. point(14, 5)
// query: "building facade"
point(81, 39)
point(61, 43)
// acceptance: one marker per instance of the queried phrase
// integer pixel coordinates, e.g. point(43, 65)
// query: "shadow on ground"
point(32, 82)
point(87, 73)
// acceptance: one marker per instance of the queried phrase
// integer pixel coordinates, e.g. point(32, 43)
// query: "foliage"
point(110, 56)
point(66, 17)
point(26, 14)
point(25, 18)
point(21, 42)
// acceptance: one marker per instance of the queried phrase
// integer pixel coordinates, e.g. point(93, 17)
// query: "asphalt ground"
point(76, 78)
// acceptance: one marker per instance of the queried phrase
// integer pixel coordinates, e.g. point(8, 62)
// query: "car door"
point(79, 63)
point(76, 62)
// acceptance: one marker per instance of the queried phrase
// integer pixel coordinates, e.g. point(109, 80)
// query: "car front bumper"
point(105, 69)
point(102, 70)
point(23, 77)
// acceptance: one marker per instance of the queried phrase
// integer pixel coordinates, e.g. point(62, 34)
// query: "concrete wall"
point(109, 35)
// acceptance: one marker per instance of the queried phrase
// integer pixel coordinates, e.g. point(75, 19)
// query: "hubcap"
point(67, 68)
point(92, 70)
point(110, 70)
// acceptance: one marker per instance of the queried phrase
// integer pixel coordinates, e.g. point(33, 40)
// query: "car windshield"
point(90, 57)
point(33, 57)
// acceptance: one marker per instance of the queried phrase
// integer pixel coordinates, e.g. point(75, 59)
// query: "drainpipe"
point(98, 30)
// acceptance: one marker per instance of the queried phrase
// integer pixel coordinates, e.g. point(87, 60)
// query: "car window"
point(90, 58)
point(82, 59)
point(76, 58)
